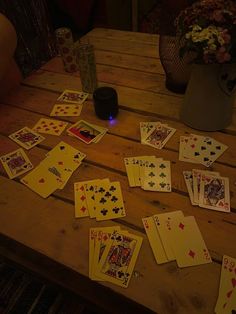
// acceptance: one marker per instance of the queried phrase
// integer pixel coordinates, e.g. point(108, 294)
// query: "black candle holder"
point(105, 103)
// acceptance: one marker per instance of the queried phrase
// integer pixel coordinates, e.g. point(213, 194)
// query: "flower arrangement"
point(208, 29)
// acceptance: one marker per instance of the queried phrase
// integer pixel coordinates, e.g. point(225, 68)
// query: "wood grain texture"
point(43, 232)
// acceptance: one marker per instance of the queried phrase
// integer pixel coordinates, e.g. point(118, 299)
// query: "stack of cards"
point(50, 126)
point(149, 172)
point(112, 255)
point(226, 302)
point(200, 149)
point(173, 236)
point(100, 199)
point(208, 189)
point(26, 137)
point(16, 163)
point(155, 134)
point(55, 170)
point(69, 104)
point(87, 132)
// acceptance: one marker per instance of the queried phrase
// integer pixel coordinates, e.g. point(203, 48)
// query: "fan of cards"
point(55, 170)
point(155, 134)
point(87, 132)
point(208, 189)
point(173, 236)
point(200, 149)
point(149, 172)
point(69, 104)
point(112, 255)
point(226, 302)
point(100, 199)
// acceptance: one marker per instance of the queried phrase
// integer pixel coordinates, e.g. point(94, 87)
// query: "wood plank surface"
point(128, 62)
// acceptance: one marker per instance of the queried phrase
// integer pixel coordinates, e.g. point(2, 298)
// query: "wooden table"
point(44, 236)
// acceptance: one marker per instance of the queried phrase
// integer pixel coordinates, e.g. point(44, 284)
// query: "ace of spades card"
point(109, 202)
point(26, 137)
point(16, 163)
point(119, 257)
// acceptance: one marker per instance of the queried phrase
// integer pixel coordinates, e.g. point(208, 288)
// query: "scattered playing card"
point(86, 132)
point(148, 172)
point(117, 262)
point(73, 97)
point(155, 134)
point(200, 149)
point(173, 236)
point(214, 193)
point(26, 137)
point(68, 110)
point(16, 163)
point(49, 126)
point(226, 301)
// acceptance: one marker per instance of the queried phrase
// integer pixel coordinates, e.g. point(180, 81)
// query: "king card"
point(26, 137)
point(16, 163)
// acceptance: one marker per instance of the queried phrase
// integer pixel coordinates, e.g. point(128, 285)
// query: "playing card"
point(50, 126)
point(109, 202)
point(42, 181)
point(197, 174)
point(72, 96)
point(154, 240)
point(159, 136)
point(26, 137)
point(16, 163)
point(187, 243)
point(188, 178)
point(182, 147)
point(119, 258)
point(227, 288)
point(144, 163)
point(129, 170)
point(204, 150)
point(92, 238)
point(214, 193)
point(67, 151)
point(145, 128)
point(163, 223)
point(68, 110)
point(84, 131)
point(81, 208)
point(158, 177)
point(101, 241)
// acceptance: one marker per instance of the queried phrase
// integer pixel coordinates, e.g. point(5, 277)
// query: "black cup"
point(105, 103)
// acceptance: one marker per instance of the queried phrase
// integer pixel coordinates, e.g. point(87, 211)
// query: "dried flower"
point(208, 28)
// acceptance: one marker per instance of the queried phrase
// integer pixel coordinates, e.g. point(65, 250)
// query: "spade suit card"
point(16, 163)
point(204, 150)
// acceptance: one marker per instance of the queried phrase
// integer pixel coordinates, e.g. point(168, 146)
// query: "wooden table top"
point(43, 235)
